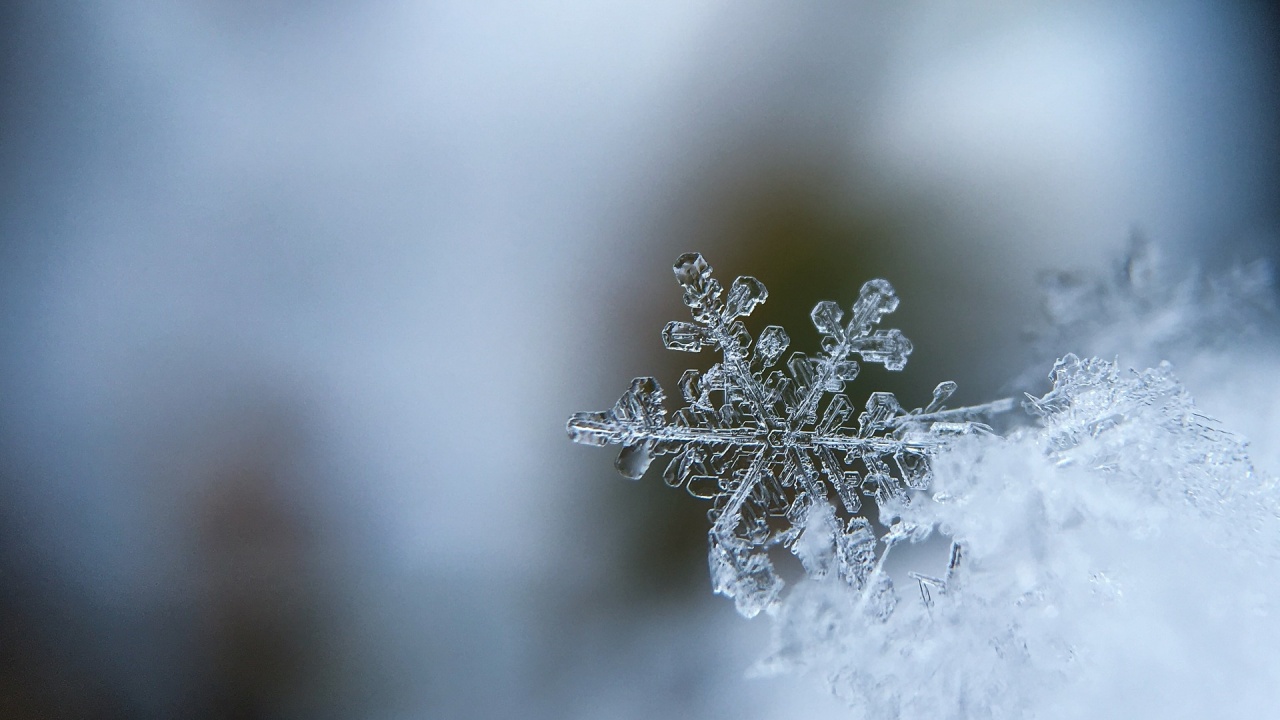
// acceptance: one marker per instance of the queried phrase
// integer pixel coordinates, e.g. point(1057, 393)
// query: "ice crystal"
point(778, 451)
point(1117, 548)
point(1122, 519)
point(1217, 327)
point(1143, 429)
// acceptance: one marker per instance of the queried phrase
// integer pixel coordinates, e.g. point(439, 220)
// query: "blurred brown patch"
point(263, 593)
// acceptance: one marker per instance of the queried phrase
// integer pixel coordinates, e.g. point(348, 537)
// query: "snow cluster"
point(1123, 535)
point(1118, 546)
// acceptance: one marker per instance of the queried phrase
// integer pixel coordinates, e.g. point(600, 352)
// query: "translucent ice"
point(773, 448)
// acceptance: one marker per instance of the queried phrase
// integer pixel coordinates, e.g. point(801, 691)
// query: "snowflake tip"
point(744, 295)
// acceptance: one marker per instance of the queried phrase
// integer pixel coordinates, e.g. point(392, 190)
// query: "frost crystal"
point(1143, 429)
point(1122, 520)
point(778, 451)
point(1118, 549)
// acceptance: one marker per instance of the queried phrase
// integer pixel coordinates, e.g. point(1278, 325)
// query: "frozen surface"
point(1124, 537)
point(1119, 546)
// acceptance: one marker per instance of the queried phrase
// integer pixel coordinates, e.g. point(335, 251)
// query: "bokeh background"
point(296, 296)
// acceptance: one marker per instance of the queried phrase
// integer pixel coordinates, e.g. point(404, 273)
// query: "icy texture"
point(1146, 312)
point(1218, 328)
point(1143, 428)
point(1121, 552)
point(779, 452)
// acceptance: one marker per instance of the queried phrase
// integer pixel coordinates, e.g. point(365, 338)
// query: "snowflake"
point(774, 450)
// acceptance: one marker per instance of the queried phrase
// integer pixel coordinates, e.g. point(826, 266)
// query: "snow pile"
point(1121, 553)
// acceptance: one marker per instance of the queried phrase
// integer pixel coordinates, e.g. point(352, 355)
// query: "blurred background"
point(296, 297)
